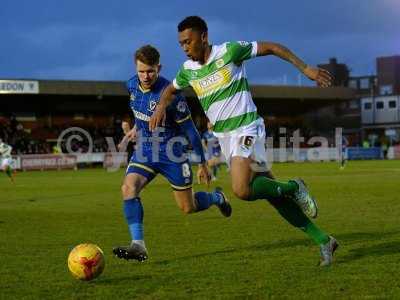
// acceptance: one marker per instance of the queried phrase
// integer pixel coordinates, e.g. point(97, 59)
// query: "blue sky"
point(95, 40)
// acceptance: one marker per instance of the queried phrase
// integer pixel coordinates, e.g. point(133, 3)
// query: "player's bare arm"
point(195, 140)
point(130, 136)
point(321, 76)
point(166, 99)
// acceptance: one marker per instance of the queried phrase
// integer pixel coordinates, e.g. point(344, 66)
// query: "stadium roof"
point(117, 88)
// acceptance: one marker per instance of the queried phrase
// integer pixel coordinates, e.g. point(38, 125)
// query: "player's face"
point(147, 74)
point(193, 43)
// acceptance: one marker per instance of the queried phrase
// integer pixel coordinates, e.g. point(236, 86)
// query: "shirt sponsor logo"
point(212, 82)
point(141, 116)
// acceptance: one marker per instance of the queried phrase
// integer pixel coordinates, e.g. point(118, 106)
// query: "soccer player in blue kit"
point(162, 152)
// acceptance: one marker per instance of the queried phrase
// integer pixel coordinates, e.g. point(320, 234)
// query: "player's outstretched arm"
point(321, 76)
point(195, 140)
point(130, 136)
point(166, 99)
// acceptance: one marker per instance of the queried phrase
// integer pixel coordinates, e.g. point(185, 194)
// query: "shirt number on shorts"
point(186, 170)
point(247, 141)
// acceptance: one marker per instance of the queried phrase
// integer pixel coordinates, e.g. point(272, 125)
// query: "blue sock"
point(133, 210)
point(204, 200)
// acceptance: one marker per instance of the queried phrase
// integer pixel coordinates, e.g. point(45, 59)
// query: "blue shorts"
point(179, 175)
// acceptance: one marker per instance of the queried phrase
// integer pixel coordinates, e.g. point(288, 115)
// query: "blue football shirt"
point(143, 103)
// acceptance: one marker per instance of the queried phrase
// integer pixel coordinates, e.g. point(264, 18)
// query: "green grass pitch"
point(252, 255)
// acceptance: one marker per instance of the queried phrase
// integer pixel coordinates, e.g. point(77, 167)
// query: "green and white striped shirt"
point(5, 150)
point(221, 85)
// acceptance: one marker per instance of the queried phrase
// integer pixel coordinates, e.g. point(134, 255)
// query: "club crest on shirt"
point(194, 74)
point(219, 63)
point(132, 97)
point(152, 105)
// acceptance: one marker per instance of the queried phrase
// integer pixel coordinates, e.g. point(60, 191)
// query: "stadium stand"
point(38, 111)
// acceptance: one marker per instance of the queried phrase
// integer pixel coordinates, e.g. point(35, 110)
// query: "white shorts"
point(6, 162)
point(247, 141)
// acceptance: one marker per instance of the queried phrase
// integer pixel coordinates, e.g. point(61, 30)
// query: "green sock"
point(265, 188)
point(316, 234)
point(9, 171)
point(274, 191)
point(292, 213)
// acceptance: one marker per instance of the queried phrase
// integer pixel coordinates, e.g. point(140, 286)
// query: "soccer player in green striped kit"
point(218, 77)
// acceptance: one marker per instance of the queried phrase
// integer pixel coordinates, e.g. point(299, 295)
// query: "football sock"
point(9, 171)
point(265, 188)
point(140, 242)
point(214, 171)
point(133, 210)
point(204, 200)
point(292, 213)
point(274, 192)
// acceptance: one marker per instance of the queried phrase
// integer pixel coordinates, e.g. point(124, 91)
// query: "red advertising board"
point(396, 151)
point(47, 162)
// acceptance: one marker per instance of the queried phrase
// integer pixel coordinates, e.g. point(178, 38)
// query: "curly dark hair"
point(193, 22)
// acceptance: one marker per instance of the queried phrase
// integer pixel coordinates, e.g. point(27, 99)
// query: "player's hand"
point(131, 135)
point(203, 176)
point(158, 118)
point(319, 75)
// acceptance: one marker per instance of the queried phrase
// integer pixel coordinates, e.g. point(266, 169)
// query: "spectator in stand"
point(126, 144)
